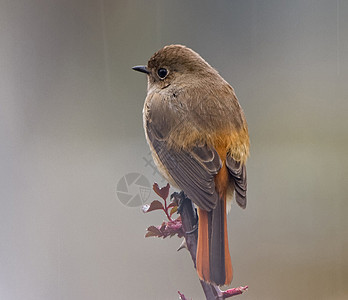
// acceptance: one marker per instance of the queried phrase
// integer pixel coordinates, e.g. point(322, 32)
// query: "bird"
point(198, 136)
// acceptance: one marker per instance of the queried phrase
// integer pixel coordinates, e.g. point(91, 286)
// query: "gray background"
point(71, 127)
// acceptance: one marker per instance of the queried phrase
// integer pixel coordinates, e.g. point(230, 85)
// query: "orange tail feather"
point(213, 259)
point(202, 258)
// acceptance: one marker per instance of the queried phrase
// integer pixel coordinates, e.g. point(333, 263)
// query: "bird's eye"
point(162, 73)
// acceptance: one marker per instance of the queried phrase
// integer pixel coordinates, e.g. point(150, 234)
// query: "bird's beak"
point(142, 69)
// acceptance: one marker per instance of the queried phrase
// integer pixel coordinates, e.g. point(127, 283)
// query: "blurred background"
point(71, 136)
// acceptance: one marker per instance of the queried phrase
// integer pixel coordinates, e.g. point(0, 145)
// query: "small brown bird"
point(199, 141)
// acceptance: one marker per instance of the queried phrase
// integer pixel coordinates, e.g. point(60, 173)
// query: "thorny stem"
point(188, 223)
point(189, 220)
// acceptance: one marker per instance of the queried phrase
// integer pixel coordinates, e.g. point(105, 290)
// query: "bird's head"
point(175, 64)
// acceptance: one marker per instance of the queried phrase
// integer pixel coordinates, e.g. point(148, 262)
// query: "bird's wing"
point(238, 172)
point(193, 171)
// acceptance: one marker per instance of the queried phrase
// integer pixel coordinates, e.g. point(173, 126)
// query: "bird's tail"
point(213, 259)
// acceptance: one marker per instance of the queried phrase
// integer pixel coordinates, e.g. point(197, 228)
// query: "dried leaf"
point(150, 234)
point(172, 204)
point(163, 227)
point(173, 210)
point(166, 229)
point(162, 192)
point(153, 231)
point(153, 206)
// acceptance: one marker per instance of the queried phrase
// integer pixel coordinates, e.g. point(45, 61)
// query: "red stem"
point(166, 210)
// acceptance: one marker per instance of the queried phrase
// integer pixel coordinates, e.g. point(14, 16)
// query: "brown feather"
point(238, 172)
